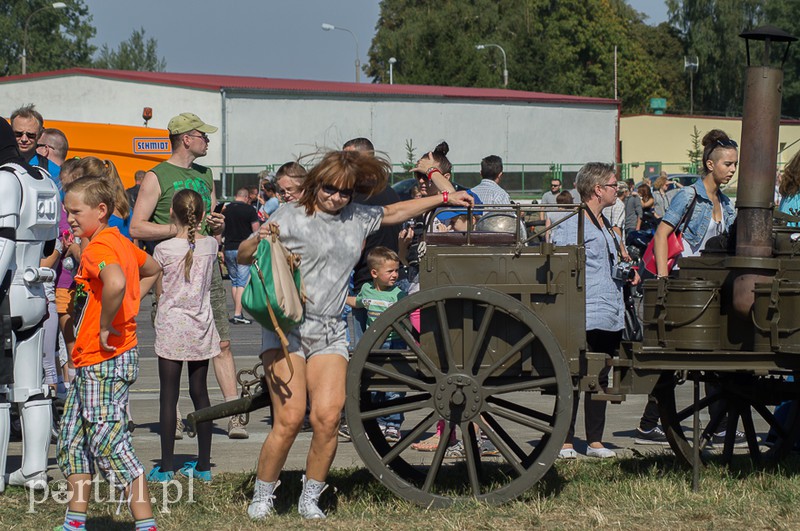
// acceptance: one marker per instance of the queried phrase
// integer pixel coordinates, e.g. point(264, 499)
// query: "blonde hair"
point(101, 169)
point(93, 192)
point(187, 209)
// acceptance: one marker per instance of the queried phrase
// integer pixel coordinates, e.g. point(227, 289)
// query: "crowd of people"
point(358, 245)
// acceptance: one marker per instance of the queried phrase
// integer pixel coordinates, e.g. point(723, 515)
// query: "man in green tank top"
point(150, 222)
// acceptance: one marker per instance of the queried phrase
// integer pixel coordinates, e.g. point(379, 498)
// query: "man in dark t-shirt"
point(241, 220)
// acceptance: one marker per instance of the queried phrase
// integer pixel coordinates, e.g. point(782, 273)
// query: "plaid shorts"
point(94, 427)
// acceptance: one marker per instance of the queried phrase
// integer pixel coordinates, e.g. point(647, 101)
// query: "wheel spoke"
point(522, 410)
point(522, 385)
point(501, 446)
point(473, 456)
point(521, 344)
point(408, 439)
point(406, 336)
point(471, 361)
point(501, 432)
point(730, 435)
point(438, 457)
point(399, 405)
point(750, 434)
point(702, 404)
point(392, 374)
point(444, 329)
point(519, 419)
point(767, 415)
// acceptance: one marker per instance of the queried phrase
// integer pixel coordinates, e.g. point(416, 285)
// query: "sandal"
point(428, 445)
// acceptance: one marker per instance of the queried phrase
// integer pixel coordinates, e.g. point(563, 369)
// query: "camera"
point(623, 271)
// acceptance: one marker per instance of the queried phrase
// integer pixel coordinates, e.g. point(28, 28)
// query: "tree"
point(711, 31)
point(57, 38)
point(785, 14)
point(137, 53)
point(565, 46)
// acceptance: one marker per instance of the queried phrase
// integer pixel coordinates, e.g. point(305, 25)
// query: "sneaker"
point(740, 441)
point(236, 429)
point(179, 429)
point(308, 506)
point(239, 319)
point(455, 451)
point(655, 436)
point(34, 482)
point(160, 476)
point(488, 448)
point(189, 469)
point(391, 434)
point(600, 453)
point(263, 500)
point(567, 453)
point(344, 430)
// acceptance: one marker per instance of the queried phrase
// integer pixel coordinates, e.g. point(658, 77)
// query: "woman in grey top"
point(605, 309)
point(327, 230)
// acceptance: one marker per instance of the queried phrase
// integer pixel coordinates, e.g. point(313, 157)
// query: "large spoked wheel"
point(732, 402)
point(480, 365)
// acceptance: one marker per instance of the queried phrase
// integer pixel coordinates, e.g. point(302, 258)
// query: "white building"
point(270, 121)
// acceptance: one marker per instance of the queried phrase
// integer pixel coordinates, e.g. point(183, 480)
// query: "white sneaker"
point(567, 453)
point(309, 499)
point(600, 453)
point(34, 482)
point(263, 500)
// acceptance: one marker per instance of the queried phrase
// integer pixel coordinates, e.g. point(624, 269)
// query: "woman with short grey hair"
point(605, 309)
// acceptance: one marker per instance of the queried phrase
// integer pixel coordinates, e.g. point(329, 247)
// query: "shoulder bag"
point(674, 242)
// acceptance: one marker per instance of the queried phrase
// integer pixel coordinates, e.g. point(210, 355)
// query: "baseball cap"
point(447, 215)
point(186, 121)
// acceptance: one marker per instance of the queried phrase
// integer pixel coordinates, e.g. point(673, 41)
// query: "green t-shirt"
point(173, 178)
point(376, 302)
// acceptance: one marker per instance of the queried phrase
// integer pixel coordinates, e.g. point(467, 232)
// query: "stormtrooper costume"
point(29, 213)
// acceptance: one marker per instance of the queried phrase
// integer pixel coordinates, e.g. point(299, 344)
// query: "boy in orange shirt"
point(94, 425)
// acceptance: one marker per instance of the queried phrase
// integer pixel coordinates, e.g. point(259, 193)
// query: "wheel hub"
point(458, 397)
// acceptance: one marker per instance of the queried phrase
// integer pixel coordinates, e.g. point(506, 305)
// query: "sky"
point(264, 38)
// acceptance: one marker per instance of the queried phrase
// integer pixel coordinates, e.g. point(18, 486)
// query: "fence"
point(524, 179)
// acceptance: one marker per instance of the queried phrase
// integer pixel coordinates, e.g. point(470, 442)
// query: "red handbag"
point(674, 243)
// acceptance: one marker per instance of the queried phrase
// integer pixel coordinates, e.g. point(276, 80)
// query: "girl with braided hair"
point(185, 329)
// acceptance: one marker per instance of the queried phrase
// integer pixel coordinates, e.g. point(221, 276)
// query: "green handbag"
point(274, 295)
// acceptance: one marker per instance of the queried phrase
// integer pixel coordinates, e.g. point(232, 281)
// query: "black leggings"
point(169, 376)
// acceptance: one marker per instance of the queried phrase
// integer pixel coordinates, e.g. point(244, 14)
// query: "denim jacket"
point(698, 224)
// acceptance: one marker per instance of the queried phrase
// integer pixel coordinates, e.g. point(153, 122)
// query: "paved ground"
point(241, 455)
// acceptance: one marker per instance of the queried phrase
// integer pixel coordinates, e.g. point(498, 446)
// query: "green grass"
point(636, 493)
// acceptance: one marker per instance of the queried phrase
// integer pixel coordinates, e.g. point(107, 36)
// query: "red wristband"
point(445, 195)
point(431, 171)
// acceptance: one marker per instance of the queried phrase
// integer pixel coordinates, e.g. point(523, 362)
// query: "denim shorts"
point(316, 335)
point(239, 274)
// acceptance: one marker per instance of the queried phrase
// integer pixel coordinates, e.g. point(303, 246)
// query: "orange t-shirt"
point(106, 248)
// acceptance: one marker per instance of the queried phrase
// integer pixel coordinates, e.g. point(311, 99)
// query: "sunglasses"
point(727, 143)
point(31, 136)
point(344, 193)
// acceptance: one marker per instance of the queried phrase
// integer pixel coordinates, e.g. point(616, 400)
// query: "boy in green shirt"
point(376, 296)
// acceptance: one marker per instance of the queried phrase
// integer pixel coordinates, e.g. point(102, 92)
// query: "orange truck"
point(130, 148)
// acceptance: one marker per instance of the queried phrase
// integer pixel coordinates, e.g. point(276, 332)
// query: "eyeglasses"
point(31, 136)
point(203, 136)
point(48, 146)
point(727, 143)
point(555, 185)
point(345, 193)
point(611, 185)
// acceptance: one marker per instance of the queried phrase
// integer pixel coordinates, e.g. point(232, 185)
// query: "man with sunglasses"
point(188, 135)
point(28, 125)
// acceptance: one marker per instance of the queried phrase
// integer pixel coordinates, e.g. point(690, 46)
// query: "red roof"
point(218, 82)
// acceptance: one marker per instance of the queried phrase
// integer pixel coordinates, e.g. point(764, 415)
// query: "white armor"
point(29, 215)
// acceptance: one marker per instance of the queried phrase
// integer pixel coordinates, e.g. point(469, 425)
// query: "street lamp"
point(690, 64)
point(54, 5)
point(392, 61)
point(505, 63)
point(329, 27)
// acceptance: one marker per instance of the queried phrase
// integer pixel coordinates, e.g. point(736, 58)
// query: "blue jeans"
point(395, 419)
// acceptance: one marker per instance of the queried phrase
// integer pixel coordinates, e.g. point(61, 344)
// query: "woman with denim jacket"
point(713, 212)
